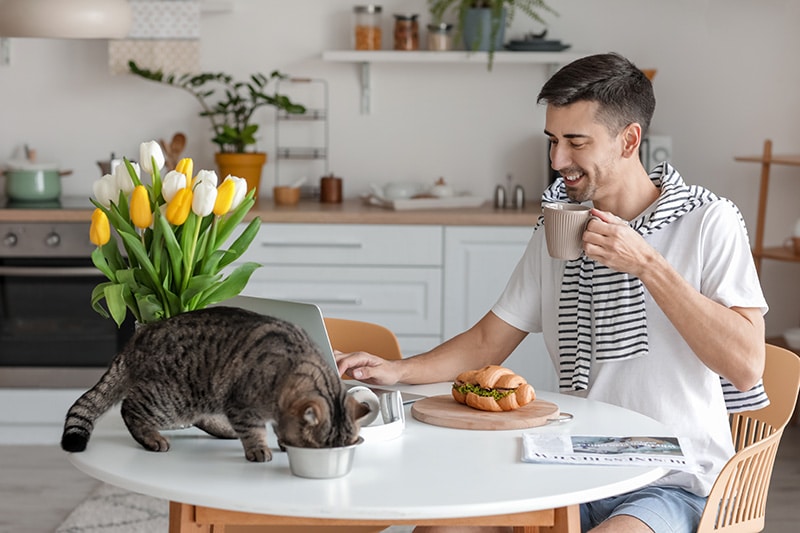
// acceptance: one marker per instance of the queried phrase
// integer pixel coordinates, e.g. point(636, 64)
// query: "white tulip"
point(123, 177)
point(239, 192)
point(172, 183)
point(149, 151)
point(106, 190)
point(204, 197)
point(206, 175)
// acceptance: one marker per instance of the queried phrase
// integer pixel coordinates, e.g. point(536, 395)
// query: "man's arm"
point(730, 341)
point(489, 341)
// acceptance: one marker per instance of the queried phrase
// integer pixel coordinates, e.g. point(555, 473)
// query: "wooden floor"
point(39, 487)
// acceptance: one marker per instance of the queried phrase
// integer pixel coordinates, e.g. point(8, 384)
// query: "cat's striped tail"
point(81, 416)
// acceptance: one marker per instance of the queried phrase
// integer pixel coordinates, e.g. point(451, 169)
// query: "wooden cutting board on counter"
point(446, 412)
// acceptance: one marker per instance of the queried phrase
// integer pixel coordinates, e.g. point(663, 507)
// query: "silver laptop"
point(309, 317)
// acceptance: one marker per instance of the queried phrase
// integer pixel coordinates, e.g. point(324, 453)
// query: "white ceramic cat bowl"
point(322, 463)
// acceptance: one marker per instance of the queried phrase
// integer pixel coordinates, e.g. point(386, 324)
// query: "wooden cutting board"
point(445, 411)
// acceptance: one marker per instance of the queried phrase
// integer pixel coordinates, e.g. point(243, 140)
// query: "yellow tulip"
point(100, 230)
point(224, 200)
point(185, 166)
point(141, 214)
point(179, 207)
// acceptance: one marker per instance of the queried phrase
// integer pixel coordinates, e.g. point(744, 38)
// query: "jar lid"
point(368, 9)
point(402, 16)
point(442, 27)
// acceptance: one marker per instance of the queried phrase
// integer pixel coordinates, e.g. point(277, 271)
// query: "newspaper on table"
point(604, 450)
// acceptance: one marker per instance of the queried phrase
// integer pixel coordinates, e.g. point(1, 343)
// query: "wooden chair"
point(738, 499)
point(357, 336)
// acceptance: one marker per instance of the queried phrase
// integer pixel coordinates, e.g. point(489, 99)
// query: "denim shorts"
point(663, 509)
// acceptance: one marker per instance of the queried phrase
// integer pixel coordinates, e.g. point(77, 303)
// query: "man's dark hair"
point(623, 91)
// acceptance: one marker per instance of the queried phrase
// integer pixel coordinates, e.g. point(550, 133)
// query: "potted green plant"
point(229, 105)
point(475, 17)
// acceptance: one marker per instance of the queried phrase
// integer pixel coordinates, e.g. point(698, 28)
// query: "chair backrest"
point(738, 499)
point(357, 336)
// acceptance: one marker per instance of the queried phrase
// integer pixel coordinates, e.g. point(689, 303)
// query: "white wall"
point(727, 79)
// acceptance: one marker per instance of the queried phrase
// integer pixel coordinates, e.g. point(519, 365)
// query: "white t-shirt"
point(670, 384)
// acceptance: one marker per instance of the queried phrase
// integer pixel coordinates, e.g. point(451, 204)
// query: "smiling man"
point(662, 314)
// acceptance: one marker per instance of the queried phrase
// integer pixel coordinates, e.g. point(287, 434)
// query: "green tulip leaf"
point(114, 295)
point(230, 286)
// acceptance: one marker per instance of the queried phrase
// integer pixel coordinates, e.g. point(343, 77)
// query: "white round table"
point(429, 472)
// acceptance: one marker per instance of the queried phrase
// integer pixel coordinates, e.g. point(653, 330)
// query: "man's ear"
point(631, 139)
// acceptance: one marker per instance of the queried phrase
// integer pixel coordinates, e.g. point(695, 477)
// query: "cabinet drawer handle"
point(328, 301)
point(348, 245)
point(50, 272)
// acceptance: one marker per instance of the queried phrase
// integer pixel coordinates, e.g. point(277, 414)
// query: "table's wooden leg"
point(567, 520)
point(182, 520)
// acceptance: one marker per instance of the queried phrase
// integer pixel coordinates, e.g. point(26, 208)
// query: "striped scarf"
point(605, 309)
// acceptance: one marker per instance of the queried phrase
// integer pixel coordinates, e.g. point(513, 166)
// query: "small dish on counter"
point(425, 203)
point(283, 195)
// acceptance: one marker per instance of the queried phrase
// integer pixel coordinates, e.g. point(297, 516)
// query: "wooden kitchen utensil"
point(446, 412)
point(173, 150)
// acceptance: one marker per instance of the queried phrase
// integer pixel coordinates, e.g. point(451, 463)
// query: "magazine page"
point(604, 450)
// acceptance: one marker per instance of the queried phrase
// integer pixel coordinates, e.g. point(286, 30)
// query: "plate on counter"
point(425, 203)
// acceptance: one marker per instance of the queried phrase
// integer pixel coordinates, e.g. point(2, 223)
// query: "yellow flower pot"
point(246, 165)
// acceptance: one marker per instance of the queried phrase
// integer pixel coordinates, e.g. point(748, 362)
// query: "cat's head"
point(320, 422)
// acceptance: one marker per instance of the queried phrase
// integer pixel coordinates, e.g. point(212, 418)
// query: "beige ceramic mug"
point(564, 225)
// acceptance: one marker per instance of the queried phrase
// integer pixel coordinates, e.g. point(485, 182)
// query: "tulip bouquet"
point(172, 231)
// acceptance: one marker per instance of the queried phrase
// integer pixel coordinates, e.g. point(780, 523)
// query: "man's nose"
point(559, 157)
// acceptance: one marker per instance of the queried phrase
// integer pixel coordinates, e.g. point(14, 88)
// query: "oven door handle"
point(49, 272)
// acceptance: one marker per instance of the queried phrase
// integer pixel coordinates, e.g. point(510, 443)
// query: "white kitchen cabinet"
point(478, 260)
point(387, 274)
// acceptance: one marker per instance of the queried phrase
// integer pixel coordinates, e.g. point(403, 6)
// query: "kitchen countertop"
point(351, 211)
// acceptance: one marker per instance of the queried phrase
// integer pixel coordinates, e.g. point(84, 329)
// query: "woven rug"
point(113, 510)
point(109, 509)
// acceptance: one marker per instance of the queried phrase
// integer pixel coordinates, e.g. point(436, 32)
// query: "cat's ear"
point(312, 413)
point(359, 410)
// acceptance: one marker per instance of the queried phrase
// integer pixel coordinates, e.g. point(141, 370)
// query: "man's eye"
point(577, 146)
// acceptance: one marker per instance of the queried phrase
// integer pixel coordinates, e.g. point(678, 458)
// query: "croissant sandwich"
point(492, 388)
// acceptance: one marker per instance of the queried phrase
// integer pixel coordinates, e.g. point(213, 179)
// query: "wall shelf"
point(767, 159)
point(365, 58)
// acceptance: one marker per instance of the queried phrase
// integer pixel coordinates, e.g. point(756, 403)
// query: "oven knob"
point(52, 240)
point(10, 239)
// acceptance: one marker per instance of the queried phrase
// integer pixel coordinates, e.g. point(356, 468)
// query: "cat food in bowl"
point(322, 463)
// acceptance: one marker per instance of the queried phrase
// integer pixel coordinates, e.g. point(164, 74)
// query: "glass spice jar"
point(367, 27)
point(440, 37)
point(406, 32)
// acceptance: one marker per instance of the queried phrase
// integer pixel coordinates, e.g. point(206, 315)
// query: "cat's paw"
point(155, 443)
point(258, 455)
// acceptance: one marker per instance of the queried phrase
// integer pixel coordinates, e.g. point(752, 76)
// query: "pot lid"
point(22, 164)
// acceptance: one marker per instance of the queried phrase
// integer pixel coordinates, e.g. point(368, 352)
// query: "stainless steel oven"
point(49, 334)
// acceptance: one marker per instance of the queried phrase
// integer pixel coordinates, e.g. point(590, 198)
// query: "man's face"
point(582, 150)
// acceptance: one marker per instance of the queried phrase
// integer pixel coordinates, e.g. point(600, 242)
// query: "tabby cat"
point(228, 372)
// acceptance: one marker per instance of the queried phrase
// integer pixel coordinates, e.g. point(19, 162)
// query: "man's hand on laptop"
point(368, 368)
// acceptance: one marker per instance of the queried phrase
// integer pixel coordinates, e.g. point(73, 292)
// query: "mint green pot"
point(33, 185)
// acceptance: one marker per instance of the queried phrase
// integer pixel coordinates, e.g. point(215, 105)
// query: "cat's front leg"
point(252, 431)
point(142, 428)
